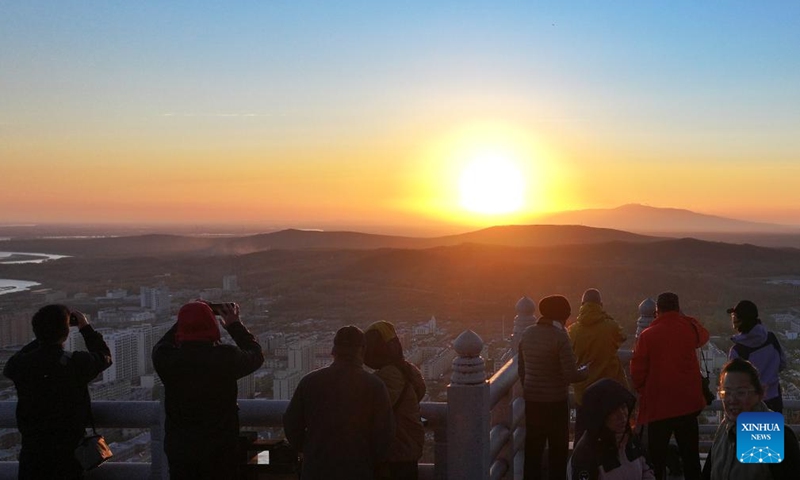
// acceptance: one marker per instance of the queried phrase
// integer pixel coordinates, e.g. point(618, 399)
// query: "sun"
point(491, 184)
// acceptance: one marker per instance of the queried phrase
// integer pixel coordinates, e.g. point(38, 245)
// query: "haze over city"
point(396, 117)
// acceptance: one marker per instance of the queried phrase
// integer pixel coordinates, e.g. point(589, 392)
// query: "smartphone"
point(216, 308)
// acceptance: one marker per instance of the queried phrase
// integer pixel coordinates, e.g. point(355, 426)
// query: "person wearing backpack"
point(760, 347)
point(406, 387)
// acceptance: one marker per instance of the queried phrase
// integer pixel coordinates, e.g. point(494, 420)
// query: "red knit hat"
point(196, 323)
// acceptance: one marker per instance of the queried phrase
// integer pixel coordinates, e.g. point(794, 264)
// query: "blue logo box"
point(759, 437)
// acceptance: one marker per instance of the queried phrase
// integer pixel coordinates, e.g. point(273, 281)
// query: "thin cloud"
point(219, 115)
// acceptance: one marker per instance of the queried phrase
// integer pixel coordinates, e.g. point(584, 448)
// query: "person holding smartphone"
point(200, 390)
point(53, 395)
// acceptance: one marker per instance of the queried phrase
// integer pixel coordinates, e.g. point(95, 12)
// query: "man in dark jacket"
point(54, 403)
point(340, 417)
point(199, 376)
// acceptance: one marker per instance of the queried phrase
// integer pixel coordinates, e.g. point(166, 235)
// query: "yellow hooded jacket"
point(596, 337)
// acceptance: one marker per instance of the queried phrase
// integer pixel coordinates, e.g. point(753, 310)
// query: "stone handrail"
point(479, 432)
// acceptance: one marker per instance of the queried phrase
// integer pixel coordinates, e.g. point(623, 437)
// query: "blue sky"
point(631, 91)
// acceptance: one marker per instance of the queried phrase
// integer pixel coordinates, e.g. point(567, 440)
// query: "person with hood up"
point(546, 368)
point(608, 450)
point(596, 337)
point(761, 348)
point(406, 388)
point(201, 431)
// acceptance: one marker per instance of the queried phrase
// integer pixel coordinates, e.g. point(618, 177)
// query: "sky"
point(395, 114)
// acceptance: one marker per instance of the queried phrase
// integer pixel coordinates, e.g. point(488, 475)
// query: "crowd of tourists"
point(349, 422)
point(623, 430)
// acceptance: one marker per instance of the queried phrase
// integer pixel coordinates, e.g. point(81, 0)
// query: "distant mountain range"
point(291, 239)
point(655, 220)
point(582, 227)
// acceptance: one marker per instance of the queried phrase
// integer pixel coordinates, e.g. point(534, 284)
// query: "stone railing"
point(479, 433)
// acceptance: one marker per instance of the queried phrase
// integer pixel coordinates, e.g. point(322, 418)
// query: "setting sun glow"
point(491, 184)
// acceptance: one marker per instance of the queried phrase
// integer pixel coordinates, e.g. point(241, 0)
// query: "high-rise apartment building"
point(230, 283)
point(156, 299)
point(125, 353)
point(15, 328)
point(284, 383)
point(301, 356)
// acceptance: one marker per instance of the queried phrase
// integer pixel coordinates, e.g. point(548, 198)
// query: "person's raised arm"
point(98, 355)
point(249, 357)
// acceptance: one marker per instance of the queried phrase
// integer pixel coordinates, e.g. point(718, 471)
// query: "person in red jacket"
point(666, 374)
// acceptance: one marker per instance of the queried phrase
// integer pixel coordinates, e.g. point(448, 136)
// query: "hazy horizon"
point(441, 117)
point(68, 230)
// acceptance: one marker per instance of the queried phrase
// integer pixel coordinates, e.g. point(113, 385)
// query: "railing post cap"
point(469, 344)
point(647, 308)
point(525, 306)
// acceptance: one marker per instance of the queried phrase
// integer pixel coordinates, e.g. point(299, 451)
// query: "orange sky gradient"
point(109, 117)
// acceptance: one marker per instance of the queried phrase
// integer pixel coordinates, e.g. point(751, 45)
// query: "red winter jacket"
point(664, 367)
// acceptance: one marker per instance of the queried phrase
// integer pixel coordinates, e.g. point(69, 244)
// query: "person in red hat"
point(199, 376)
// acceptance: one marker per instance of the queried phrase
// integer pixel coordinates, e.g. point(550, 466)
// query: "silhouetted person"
point(596, 337)
point(406, 387)
point(741, 391)
point(546, 368)
point(53, 397)
point(666, 373)
point(340, 417)
point(200, 391)
point(761, 348)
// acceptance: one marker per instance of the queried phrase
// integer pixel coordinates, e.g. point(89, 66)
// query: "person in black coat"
point(199, 376)
point(340, 417)
point(53, 396)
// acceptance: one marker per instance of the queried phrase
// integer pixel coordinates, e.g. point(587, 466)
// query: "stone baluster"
point(525, 317)
point(647, 313)
point(468, 412)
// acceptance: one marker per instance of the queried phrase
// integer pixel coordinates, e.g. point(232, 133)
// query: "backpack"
point(744, 352)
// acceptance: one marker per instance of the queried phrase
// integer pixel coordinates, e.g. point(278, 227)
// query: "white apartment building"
point(301, 356)
point(156, 299)
point(15, 328)
point(284, 383)
point(125, 352)
point(434, 368)
point(230, 283)
point(428, 328)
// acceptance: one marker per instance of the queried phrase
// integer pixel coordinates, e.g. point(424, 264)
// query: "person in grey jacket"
point(546, 369)
point(340, 418)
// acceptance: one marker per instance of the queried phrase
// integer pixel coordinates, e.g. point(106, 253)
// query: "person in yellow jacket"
point(595, 338)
